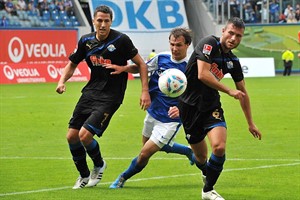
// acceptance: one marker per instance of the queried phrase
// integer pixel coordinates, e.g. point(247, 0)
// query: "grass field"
point(35, 161)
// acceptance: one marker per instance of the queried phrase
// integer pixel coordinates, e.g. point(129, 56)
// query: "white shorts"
point(160, 133)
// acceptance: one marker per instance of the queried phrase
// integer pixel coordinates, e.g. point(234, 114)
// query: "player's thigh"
point(164, 133)
point(81, 113)
point(100, 117)
point(148, 127)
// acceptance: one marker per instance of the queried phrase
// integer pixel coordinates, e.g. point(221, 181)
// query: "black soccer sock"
point(79, 158)
point(214, 169)
point(200, 166)
point(93, 151)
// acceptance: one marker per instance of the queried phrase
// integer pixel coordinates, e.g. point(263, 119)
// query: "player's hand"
point(255, 132)
point(145, 100)
point(61, 88)
point(237, 94)
point(117, 69)
point(173, 112)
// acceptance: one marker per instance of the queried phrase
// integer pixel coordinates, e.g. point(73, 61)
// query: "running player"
point(200, 107)
point(162, 122)
point(102, 95)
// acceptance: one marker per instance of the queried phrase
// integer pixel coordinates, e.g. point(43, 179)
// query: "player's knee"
point(219, 150)
point(72, 136)
point(201, 157)
point(143, 159)
point(85, 137)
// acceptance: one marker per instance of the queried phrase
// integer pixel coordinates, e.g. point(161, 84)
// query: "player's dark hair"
point(185, 32)
point(104, 9)
point(237, 22)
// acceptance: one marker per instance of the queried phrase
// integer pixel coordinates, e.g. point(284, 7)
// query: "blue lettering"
point(168, 12)
point(173, 13)
point(132, 16)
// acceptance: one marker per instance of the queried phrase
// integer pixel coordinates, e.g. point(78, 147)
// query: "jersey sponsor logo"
point(207, 49)
point(216, 71)
point(99, 61)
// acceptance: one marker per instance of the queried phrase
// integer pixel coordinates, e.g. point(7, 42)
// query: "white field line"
point(153, 178)
point(130, 158)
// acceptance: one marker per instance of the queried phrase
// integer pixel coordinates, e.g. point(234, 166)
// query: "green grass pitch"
point(35, 162)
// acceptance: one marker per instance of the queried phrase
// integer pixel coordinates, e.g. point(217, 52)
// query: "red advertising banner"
point(34, 56)
point(39, 73)
point(34, 46)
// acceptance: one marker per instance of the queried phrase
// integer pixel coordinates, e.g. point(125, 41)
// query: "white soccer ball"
point(172, 82)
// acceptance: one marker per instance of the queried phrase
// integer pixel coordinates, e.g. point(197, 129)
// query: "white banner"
point(257, 67)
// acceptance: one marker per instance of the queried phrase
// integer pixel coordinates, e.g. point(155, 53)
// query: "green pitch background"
point(271, 41)
point(35, 161)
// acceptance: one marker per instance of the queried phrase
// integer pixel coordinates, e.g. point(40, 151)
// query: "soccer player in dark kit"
point(102, 95)
point(200, 107)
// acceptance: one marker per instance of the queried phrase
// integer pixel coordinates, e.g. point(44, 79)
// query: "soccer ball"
point(172, 82)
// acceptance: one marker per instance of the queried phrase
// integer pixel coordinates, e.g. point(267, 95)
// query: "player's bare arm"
point(246, 107)
point(145, 100)
point(209, 79)
point(119, 69)
point(67, 74)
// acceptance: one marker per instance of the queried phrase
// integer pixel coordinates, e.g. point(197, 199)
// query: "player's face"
point(231, 37)
point(102, 23)
point(178, 47)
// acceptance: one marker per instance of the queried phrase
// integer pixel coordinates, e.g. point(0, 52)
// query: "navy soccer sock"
point(200, 166)
point(132, 169)
point(93, 151)
point(214, 169)
point(79, 158)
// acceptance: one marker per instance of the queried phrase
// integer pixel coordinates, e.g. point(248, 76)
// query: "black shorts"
point(92, 115)
point(196, 124)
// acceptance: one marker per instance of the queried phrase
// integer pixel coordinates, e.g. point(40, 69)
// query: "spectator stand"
point(41, 14)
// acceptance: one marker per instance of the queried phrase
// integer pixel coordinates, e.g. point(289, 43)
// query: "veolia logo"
point(16, 54)
point(52, 71)
point(17, 50)
point(8, 72)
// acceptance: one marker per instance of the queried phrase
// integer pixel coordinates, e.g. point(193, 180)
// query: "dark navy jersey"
point(199, 94)
point(160, 103)
point(117, 49)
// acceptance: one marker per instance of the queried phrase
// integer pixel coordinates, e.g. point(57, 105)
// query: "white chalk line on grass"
point(130, 158)
point(152, 178)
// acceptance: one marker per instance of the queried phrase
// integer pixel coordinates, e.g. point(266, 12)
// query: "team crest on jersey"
point(207, 49)
point(230, 65)
point(111, 48)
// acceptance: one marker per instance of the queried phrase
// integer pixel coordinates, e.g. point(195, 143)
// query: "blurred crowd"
point(257, 11)
point(33, 7)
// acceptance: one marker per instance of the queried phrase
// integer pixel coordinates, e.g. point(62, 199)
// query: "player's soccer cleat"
point(211, 195)
point(190, 156)
point(119, 183)
point(96, 175)
point(81, 182)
